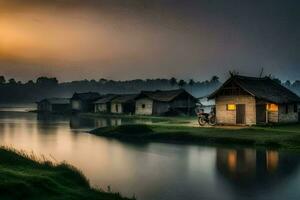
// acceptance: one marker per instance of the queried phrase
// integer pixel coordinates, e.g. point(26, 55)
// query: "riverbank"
point(282, 137)
point(24, 176)
point(157, 120)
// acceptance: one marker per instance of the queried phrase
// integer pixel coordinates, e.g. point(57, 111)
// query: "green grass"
point(280, 137)
point(24, 176)
point(154, 119)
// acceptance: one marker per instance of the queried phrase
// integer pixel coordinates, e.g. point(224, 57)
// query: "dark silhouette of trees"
point(30, 83)
point(287, 84)
point(103, 81)
point(2, 80)
point(12, 81)
point(181, 83)
point(191, 82)
point(45, 81)
point(45, 87)
point(214, 79)
point(173, 82)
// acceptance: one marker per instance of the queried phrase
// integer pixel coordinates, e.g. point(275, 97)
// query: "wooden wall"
point(44, 107)
point(160, 108)
point(273, 117)
point(144, 106)
point(113, 108)
point(289, 117)
point(100, 107)
point(76, 105)
point(229, 117)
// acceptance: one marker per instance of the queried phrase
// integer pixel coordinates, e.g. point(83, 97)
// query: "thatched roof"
point(106, 99)
point(56, 100)
point(165, 95)
point(261, 88)
point(87, 96)
point(124, 98)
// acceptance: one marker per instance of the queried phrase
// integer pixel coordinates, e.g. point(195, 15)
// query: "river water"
point(154, 171)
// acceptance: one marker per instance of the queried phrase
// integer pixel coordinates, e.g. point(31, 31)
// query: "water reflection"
point(154, 170)
point(77, 122)
point(250, 168)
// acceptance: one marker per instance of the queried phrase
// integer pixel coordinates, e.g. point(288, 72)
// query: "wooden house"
point(165, 102)
point(123, 104)
point(84, 102)
point(103, 105)
point(248, 101)
point(54, 105)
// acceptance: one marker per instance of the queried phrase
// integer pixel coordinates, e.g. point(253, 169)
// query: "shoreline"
point(281, 137)
point(26, 176)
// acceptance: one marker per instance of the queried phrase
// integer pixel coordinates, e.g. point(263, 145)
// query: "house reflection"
point(115, 122)
point(51, 118)
point(253, 168)
point(102, 122)
point(77, 122)
point(272, 159)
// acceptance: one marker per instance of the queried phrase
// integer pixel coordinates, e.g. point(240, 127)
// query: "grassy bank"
point(25, 177)
point(279, 137)
point(159, 120)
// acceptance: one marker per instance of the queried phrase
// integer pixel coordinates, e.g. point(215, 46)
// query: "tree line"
point(13, 91)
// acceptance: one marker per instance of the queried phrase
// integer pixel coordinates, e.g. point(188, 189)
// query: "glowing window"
point(272, 107)
point(231, 107)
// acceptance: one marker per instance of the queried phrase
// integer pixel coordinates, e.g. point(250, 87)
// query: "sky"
point(129, 39)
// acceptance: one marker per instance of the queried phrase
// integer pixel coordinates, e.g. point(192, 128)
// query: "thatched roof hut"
point(251, 100)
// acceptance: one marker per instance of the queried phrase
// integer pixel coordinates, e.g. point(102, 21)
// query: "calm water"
point(155, 171)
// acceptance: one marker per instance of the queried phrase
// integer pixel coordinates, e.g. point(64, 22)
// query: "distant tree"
point(173, 81)
point(103, 81)
point(191, 82)
point(296, 83)
point(181, 83)
point(45, 81)
point(214, 79)
point(2, 80)
point(30, 82)
point(287, 83)
point(19, 82)
point(12, 81)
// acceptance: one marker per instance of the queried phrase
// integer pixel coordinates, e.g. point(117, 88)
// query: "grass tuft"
point(27, 176)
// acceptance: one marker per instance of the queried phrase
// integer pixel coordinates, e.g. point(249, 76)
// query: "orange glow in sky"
point(145, 39)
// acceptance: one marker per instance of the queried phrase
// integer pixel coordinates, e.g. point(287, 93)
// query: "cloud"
point(142, 38)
